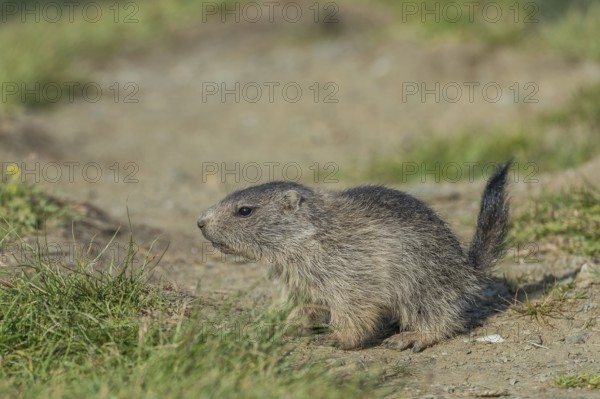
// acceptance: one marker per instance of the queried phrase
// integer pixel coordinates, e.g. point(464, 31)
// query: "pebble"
point(586, 276)
point(535, 339)
point(589, 306)
point(494, 338)
point(576, 339)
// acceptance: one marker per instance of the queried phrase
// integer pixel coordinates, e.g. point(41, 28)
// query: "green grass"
point(550, 305)
point(47, 52)
point(566, 27)
point(537, 147)
point(582, 380)
point(25, 207)
point(570, 219)
point(99, 331)
point(575, 34)
point(436, 18)
point(51, 315)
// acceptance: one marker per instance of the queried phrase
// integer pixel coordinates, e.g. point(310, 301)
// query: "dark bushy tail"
point(492, 224)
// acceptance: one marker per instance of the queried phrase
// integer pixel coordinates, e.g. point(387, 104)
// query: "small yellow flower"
point(14, 174)
point(13, 171)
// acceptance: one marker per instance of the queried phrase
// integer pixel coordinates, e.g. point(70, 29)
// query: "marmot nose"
point(201, 222)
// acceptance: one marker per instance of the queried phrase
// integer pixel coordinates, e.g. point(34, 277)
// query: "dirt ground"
point(157, 158)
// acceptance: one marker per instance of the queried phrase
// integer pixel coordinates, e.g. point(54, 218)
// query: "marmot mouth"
point(222, 247)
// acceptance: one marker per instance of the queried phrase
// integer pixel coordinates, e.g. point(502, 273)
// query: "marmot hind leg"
point(352, 329)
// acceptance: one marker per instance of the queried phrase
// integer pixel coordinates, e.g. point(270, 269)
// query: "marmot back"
point(364, 256)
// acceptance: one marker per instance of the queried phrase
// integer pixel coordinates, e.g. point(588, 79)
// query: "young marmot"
point(364, 256)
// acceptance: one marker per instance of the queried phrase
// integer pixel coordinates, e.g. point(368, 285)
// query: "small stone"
point(576, 339)
point(494, 338)
point(534, 340)
point(586, 276)
point(513, 381)
point(589, 306)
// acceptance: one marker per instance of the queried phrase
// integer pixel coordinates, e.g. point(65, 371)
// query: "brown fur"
point(362, 257)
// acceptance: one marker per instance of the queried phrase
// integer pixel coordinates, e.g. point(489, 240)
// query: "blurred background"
point(155, 110)
point(165, 106)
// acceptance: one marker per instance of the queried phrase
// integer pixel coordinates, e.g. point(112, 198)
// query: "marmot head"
point(266, 221)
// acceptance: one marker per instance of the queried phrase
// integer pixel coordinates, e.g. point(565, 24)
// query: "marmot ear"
point(291, 200)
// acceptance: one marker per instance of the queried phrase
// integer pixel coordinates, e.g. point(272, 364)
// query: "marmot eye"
point(244, 211)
